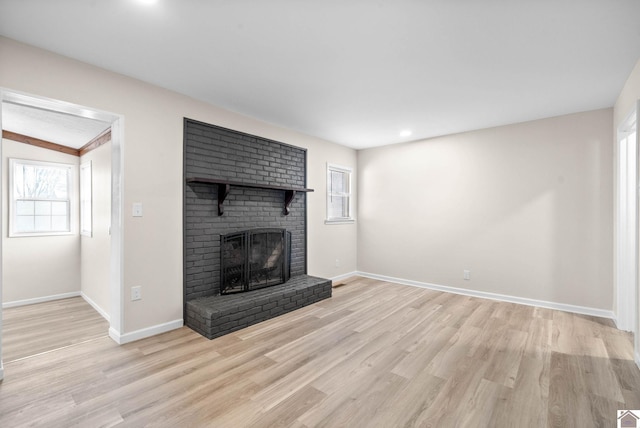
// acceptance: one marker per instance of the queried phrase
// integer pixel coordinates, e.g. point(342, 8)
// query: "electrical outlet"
point(337, 262)
point(466, 274)
point(136, 293)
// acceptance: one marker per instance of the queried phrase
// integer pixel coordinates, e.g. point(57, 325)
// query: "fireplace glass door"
point(254, 259)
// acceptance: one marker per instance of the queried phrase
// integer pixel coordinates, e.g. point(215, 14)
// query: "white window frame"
point(86, 199)
point(13, 233)
point(339, 220)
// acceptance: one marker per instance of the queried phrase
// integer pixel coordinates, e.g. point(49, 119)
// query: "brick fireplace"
point(236, 183)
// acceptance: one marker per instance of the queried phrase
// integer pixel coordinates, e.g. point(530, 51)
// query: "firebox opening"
point(254, 259)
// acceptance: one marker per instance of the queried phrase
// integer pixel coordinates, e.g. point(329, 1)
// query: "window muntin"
point(338, 194)
point(40, 198)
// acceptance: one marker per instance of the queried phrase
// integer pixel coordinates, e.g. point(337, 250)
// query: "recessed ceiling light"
point(405, 133)
point(148, 1)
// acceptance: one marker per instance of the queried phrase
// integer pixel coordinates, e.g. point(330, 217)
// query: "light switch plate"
point(137, 209)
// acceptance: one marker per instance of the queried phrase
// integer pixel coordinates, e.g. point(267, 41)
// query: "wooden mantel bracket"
point(223, 192)
point(224, 187)
point(288, 198)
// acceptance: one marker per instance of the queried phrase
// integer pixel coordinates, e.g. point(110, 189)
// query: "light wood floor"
point(375, 355)
point(33, 329)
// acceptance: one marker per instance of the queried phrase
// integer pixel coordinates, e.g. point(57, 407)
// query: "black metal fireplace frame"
point(237, 277)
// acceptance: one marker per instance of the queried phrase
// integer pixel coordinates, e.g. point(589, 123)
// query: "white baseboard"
point(95, 306)
point(25, 302)
point(344, 276)
point(614, 318)
point(121, 339)
point(602, 313)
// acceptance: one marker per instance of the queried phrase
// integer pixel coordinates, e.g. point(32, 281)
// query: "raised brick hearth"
point(215, 316)
point(261, 171)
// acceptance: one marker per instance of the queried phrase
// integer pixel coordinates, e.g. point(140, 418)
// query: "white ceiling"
point(355, 72)
point(55, 127)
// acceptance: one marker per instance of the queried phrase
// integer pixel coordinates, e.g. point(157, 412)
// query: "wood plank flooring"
point(374, 355)
point(33, 329)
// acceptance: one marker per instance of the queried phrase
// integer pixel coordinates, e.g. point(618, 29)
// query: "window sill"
point(341, 221)
point(37, 234)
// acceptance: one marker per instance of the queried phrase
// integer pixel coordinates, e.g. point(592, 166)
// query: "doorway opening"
point(113, 183)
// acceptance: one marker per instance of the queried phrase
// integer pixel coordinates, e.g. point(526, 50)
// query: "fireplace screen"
point(254, 259)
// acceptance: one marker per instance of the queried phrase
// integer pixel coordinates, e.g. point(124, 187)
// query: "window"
point(338, 194)
point(85, 199)
point(40, 198)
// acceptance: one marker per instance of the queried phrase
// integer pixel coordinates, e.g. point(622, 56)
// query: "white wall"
point(328, 243)
point(153, 141)
point(95, 249)
point(527, 208)
point(38, 266)
point(628, 99)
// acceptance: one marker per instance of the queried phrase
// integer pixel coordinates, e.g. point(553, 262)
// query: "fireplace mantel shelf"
point(224, 187)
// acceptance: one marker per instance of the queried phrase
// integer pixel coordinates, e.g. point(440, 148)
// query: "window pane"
point(43, 223)
point(59, 208)
point(85, 182)
point(25, 207)
point(339, 207)
point(59, 223)
point(85, 198)
point(43, 208)
point(85, 212)
point(41, 182)
point(18, 181)
point(339, 182)
point(25, 223)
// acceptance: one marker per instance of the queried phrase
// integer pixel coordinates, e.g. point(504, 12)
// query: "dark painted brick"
point(219, 153)
point(228, 313)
